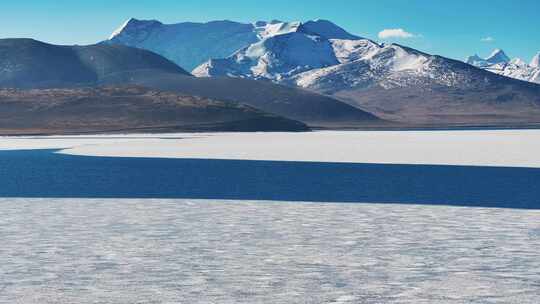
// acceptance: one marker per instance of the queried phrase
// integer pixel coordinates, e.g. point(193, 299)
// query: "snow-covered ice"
point(188, 251)
point(507, 148)
point(77, 250)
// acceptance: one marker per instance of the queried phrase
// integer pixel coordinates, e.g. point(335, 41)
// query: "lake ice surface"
point(212, 251)
point(508, 148)
point(199, 251)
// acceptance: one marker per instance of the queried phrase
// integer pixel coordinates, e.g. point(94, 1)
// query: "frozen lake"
point(187, 251)
point(322, 217)
point(502, 148)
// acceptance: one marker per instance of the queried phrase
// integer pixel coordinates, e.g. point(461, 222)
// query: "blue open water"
point(43, 173)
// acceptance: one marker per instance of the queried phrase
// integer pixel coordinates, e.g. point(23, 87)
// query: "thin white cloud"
point(396, 33)
point(487, 39)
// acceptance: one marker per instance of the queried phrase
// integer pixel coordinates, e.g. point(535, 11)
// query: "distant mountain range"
point(392, 81)
point(499, 63)
point(190, 44)
point(265, 76)
point(28, 64)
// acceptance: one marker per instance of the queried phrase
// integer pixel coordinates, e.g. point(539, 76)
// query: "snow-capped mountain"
point(499, 63)
point(29, 64)
point(187, 44)
point(497, 56)
point(274, 58)
point(535, 62)
point(311, 45)
point(190, 44)
point(390, 80)
point(517, 69)
point(329, 64)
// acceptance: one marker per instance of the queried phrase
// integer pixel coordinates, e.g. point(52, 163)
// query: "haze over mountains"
point(390, 80)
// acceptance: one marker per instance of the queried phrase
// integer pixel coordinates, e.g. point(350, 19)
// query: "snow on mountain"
point(393, 81)
point(135, 30)
point(119, 30)
point(499, 63)
point(325, 65)
point(190, 44)
point(320, 56)
point(498, 56)
point(535, 62)
point(351, 50)
point(326, 29)
point(275, 27)
point(187, 44)
point(274, 58)
point(517, 69)
point(536, 77)
point(518, 62)
point(477, 61)
point(386, 66)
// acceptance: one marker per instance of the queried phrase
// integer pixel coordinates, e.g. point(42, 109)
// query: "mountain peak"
point(326, 29)
point(499, 63)
point(133, 23)
point(119, 30)
point(318, 27)
point(275, 27)
point(496, 52)
point(518, 62)
point(474, 58)
point(535, 62)
point(498, 56)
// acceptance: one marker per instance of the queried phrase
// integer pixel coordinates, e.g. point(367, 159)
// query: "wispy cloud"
point(396, 33)
point(488, 39)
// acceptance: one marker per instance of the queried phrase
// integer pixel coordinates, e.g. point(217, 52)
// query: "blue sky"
point(450, 28)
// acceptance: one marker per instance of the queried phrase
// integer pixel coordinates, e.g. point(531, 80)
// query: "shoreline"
point(495, 148)
point(187, 130)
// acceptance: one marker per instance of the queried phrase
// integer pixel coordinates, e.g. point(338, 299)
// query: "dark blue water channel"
point(43, 173)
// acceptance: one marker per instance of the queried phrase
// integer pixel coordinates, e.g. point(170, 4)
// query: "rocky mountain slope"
point(314, 109)
point(127, 109)
point(390, 80)
point(406, 85)
point(28, 63)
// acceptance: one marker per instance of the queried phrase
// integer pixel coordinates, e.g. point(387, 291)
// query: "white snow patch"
point(512, 148)
point(274, 29)
point(404, 60)
point(535, 62)
point(351, 50)
point(499, 63)
point(119, 30)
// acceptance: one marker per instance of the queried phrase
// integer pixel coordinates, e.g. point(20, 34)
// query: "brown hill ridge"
point(127, 109)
